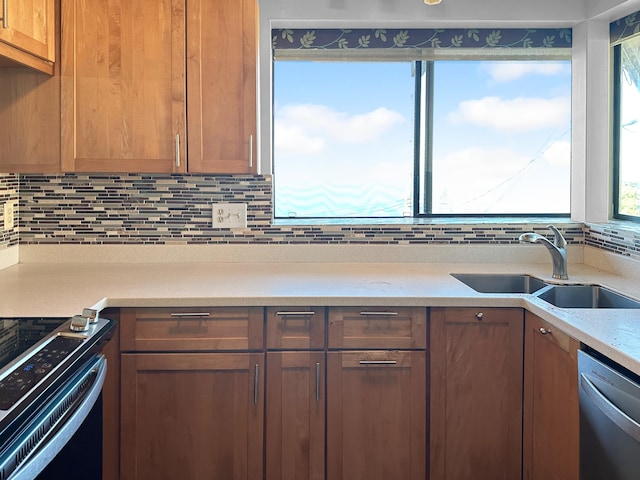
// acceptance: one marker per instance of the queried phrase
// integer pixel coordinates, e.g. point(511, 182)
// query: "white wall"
point(590, 19)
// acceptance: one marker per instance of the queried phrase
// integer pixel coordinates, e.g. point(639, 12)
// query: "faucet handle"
point(558, 240)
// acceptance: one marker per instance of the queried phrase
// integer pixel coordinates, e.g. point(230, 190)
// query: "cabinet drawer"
point(295, 328)
point(191, 329)
point(375, 327)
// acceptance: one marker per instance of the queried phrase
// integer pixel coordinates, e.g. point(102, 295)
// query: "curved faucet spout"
point(557, 249)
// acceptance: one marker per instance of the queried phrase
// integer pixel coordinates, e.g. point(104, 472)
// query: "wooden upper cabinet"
point(27, 33)
point(123, 86)
point(132, 69)
point(221, 85)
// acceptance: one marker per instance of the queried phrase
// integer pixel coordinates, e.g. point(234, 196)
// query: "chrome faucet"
point(557, 249)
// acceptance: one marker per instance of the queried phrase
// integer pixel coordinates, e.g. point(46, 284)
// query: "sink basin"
point(500, 282)
point(586, 296)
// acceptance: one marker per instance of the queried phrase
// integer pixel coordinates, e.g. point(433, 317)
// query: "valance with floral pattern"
point(422, 38)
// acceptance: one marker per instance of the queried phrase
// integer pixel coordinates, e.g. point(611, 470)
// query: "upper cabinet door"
point(123, 86)
point(27, 32)
point(221, 85)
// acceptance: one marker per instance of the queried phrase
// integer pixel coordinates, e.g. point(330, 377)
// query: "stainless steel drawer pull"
point(378, 362)
point(5, 20)
point(379, 314)
point(545, 331)
point(190, 314)
point(250, 151)
point(255, 384)
point(295, 314)
point(177, 150)
point(317, 382)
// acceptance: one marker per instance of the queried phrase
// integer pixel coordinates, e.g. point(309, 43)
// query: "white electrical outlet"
point(9, 219)
point(229, 215)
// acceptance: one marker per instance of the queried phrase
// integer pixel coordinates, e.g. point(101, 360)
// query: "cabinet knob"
point(479, 316)
point(545, 331)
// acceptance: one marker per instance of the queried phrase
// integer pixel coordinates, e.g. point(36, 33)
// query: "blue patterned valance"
point(324, 39)
point(625, 27)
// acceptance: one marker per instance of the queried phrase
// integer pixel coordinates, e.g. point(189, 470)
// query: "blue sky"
point(350, 125)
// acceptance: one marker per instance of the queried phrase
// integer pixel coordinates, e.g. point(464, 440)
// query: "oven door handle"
point(44, 454)
point(610, 410)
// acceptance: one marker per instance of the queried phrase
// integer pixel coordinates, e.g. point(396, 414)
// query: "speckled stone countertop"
point(62, 289)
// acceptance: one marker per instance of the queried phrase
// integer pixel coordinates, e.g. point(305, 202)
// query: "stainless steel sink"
point(500, 282)
point(586, 296)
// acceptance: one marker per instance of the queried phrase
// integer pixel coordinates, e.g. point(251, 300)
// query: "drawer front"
point(295, 328)
point(192, 329)
point(375, 327)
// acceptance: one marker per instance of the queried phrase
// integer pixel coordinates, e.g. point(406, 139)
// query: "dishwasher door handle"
point(611, 411)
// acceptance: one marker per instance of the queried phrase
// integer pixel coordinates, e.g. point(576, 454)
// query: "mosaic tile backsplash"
point(176, 209)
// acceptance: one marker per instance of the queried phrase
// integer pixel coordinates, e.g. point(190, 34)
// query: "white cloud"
point(518, 114)
point(502, 72)
point(558, 153)
point(308, 128)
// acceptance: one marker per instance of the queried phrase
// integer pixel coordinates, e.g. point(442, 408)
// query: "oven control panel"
point(35, 368)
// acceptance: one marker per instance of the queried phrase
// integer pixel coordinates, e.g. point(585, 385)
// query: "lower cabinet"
point(376, 415)
point(551, 412)
point(345, 414)
point(192, 415)
point(475, 389)
point(295, 416)
point(205, 393)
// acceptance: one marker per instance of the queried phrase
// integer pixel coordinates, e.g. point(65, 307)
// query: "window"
point(374, 133)
point(627, 129)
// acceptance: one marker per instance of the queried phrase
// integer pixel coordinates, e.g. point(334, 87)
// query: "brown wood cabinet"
point(30, 111)
point(476, 379)
point(221, 85)
point(295, 419)
point(189, 407)
point(551, 414)
point(132, 70)
point(363, 417)
point(27, 34)
point(376, 415)
point(377, 328)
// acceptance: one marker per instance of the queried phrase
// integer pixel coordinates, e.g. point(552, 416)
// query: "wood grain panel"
point(31, 27)
point(476, 393)
point(192, 416)
point(295, 406)
point(551, 411)
point(297, 328)
point(192, 329)
point(376, 415)
point(123, 85)
point(383, 328)
point(221, 84)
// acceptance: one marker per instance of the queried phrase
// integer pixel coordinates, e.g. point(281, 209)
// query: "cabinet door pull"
point(296, 314)
point(177, 149)
point(479, 316)
point(378, 314)
point(317, 382)
point(545, 331)
point(190, 314)
point(250, 151)
point(255, 384)
point(378, 362)
point(5, 20)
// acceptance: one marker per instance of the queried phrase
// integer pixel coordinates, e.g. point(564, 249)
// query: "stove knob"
point(79, 323)
point(91, 314)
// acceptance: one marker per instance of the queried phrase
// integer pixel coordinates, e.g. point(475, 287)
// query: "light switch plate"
point(229, 215)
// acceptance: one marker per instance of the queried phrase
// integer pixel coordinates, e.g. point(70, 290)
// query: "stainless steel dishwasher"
point(609, 419)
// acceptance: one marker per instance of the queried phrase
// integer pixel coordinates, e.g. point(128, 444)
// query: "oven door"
point(48, 440)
